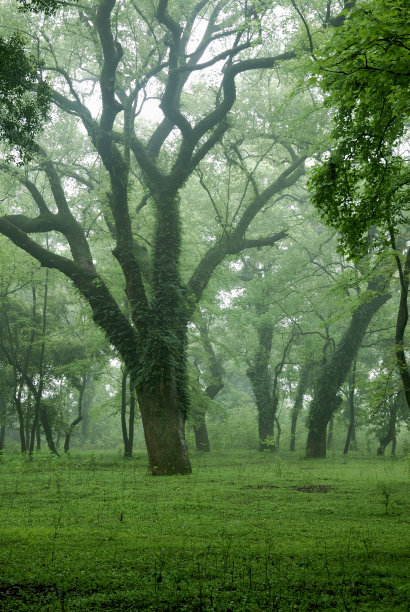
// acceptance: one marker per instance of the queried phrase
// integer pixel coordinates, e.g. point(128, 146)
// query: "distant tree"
point(326, 397)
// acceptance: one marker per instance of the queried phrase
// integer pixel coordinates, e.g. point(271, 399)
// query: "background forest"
point(204, 275)
point(162, 169)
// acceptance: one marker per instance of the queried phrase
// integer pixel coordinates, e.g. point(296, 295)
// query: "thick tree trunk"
point(317, 441)
point(298, 405)
point(335, 370)
point(164, 429)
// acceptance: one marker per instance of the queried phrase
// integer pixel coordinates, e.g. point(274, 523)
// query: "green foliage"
point(24, 96)
point(363, 69)
point(243, 533)
point(48, 7)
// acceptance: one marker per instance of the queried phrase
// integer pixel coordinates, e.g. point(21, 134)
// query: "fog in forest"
point(204, 276)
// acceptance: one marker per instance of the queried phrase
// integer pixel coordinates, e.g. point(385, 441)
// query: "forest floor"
point(244, 532)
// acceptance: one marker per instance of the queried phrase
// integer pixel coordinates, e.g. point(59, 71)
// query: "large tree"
point(120, 165)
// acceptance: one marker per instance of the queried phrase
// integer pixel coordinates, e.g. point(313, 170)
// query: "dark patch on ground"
point(313, 488)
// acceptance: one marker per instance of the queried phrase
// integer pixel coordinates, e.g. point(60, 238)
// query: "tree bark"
point(402, 319)
point(325, 401)
point(390, 436)
point(298, 405)
point(69, 431)
point(351, 430)
point(2, 421)
point(127, 430)
point(48, 432)
point(20, 416)
point(278, 431)
point(2, 436)
point(201, 434)
point(329, 439)
point(164, 428)
point(211, 391)
point(38, 395)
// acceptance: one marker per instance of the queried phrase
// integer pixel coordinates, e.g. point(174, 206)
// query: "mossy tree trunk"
point(333, 373)
point(164, 429)
point(261, 380)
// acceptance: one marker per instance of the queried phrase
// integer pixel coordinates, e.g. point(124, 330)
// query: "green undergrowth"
point(247, 532)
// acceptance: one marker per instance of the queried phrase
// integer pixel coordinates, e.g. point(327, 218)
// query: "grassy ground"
point(245, 532)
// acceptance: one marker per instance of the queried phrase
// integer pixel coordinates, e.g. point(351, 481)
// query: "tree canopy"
point(363, 68)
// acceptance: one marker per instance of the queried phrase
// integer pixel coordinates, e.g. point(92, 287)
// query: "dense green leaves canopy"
point(364, 70)
point(22, 110)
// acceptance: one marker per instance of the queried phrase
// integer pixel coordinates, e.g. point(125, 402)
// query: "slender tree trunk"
point(298, 405)
point(351, 430)
point(325, 401)
point(20, 416)
point(131, 419)
point(199, 422)
point(201, 433)
point(79, 418)
point(69, 431)
point(164, 429)
point(211, 391)
point(39, 392)
point(48, 432)
point(124, 411)
point(329, 441)
point(2, 436)
point(391, 429)
point(127, 430)
point(88, 397)
point(2, 421)
point(261, 381)
point(402, 319)
point(38, 437)
point(278, 432)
